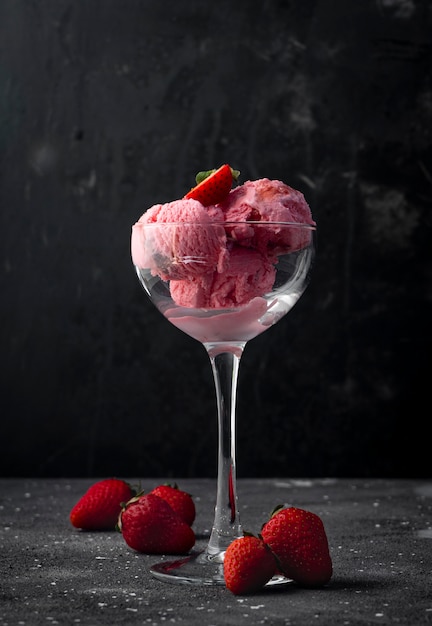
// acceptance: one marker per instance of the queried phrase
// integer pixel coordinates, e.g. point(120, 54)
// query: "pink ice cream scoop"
point(189, 243)
point(249, 274)
point(266, 200)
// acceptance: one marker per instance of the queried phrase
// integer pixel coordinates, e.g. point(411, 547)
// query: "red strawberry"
point(248, 565)
point(299, 542)
point(213, 186)
point(180, 501)
point(99, 507)
point(148, 524)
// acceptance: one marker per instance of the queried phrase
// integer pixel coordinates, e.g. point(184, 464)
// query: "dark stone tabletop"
point(380, 535)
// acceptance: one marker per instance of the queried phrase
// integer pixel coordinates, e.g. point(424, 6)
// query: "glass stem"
point(225, 361)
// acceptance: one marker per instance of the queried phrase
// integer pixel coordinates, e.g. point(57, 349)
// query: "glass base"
point(200, 569)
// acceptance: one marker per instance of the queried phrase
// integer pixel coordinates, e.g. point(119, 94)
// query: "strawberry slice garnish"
point(213, 186)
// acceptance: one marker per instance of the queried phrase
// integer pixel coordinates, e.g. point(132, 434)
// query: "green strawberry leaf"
point(206, 173)
point(203, 175)
point(235, 174)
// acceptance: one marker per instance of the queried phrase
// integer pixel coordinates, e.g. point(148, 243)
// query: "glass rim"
point(301, 225)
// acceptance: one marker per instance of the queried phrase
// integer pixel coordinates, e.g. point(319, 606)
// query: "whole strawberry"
point(299, 542)
point(148, 524)
point(248, 565)
point(180, 501)
point(99, 507)
point(213, 186)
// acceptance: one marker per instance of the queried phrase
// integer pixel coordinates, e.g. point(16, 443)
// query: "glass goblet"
point(223, 308)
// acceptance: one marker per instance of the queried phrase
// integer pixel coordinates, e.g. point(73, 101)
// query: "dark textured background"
point(109, 106)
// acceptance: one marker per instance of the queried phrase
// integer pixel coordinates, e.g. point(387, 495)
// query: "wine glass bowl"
point(182, 283)
point(221, 283)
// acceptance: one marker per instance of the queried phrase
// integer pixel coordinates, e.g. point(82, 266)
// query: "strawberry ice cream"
point(248, 274)
point(184, 250)
point(222, 255)
point(267, 200)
